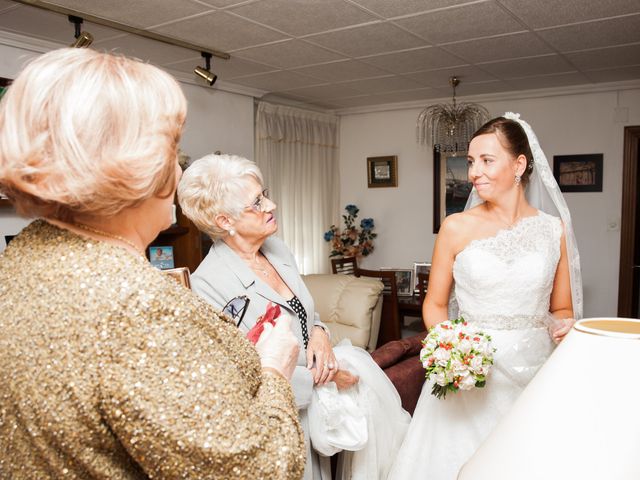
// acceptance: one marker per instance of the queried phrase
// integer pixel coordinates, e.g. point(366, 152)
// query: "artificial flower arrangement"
point(351, 241)
point(458, 355)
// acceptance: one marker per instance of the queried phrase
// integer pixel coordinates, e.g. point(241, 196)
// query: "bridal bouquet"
point(457, 355)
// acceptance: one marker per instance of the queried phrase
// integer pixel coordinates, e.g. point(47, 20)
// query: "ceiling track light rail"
point(124, 28)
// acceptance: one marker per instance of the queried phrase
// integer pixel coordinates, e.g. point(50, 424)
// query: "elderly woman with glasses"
point(108, 367)
point(248, 269)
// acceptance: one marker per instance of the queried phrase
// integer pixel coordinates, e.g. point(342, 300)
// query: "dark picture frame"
point(382, 171)
point(579, 173)
point(451, 187)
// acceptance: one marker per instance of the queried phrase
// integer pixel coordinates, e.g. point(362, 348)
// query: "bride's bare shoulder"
point(463, 222)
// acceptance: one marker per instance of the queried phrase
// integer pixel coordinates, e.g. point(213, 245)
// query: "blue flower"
point(328, 236)
point(367, 224)
point(352, 210)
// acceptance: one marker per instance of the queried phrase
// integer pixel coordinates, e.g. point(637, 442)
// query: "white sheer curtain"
point(297, 151)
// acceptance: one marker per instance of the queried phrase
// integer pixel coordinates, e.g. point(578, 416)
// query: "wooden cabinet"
point(186, 241)
point(189, 245)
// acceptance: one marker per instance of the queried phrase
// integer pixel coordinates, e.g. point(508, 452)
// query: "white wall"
point(565, 124)
point(216, 120)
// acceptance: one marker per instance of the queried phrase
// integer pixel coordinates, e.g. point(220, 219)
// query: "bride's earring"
point(518, 180)
point(232, 232)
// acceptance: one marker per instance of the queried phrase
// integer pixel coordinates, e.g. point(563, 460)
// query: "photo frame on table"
point(451, 187)
point(382, 171)
point(161, 257)
point(419, 267)
point(579, 173)
point(180, 275)
point(404, 280)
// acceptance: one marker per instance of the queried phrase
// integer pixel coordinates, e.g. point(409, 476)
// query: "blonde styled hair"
point(213, 185)
point(88, 133)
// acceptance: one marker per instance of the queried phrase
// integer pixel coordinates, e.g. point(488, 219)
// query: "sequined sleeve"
point(187, 397)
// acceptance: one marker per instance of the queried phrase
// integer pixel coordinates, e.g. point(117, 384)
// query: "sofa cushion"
point(393, 352)
point(348, 306)
point(408, 377)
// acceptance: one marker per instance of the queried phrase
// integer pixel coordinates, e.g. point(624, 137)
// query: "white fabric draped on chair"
point(297, 151)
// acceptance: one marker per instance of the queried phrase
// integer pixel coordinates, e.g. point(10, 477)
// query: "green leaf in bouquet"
point(441, 392)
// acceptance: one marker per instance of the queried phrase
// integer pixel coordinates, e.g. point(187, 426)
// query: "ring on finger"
point(331, 366)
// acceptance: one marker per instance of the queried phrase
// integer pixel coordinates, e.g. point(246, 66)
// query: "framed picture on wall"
point(382, 171)
point(451, 187)
point(578, 173)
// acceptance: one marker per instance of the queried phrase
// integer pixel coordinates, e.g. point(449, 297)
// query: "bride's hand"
point(559, 327)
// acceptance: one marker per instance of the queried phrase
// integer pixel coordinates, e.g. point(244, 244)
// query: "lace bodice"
point(505, 281)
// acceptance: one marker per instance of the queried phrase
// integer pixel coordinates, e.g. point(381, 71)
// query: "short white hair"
point(213, 185)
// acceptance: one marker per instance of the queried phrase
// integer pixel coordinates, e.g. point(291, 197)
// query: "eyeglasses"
point(259, 204)
point(236, 308)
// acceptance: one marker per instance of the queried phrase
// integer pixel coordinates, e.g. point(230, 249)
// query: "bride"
point(511, 260)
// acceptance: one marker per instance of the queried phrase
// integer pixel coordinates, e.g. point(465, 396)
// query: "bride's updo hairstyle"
point(513, 138)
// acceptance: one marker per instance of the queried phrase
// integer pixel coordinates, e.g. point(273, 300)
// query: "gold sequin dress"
point(111, 370)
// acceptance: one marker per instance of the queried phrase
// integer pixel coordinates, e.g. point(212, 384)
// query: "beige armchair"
point(350, 307)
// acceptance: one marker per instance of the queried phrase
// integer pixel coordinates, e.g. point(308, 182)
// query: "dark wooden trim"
point(628, 221)
point(436, 189)
point(390, 319)
point(185, 240)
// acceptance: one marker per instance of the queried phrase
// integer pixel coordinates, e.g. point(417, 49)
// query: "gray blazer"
point(223, 275)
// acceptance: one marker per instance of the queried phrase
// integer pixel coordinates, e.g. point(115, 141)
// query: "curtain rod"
point(125, 28)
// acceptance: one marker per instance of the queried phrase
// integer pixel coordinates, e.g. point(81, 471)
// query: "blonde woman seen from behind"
point(109, 368)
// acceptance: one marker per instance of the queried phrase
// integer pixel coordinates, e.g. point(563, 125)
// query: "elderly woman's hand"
point(319, 347)
point(278, 347)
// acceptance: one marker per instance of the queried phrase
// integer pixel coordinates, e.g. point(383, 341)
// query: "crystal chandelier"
point(450, 125)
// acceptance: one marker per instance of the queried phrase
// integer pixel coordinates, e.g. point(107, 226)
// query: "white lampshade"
point(579, 418)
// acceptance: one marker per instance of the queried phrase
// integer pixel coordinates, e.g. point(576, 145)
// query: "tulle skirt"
point(444, 433)
point(366, 423)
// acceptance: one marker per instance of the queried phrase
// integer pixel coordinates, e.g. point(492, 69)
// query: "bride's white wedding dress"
point(502, 284)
